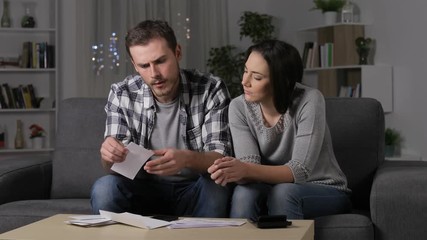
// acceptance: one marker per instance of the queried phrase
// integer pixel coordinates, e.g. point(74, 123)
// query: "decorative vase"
point(37, 142)
point(330, 17)
point(363, 46)
point(389, 150)
point(19, 136)
point(363, 55)
point(5, 18)
point(28, 20)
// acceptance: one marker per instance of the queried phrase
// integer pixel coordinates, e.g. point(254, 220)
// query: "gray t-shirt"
point(300, 140)
point(166, 134)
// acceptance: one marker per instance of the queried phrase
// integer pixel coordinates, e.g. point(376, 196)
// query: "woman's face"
point(256, 79)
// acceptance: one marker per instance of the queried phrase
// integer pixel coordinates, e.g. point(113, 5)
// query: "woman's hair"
point(147, 30)
point(286, 68)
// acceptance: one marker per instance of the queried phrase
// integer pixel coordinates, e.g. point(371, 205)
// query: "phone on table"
point(168, 218)
point(272, 221)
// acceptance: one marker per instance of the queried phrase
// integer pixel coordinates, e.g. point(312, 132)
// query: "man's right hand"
point(112, 151)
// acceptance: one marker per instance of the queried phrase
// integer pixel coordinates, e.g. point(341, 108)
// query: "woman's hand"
point(228, 169)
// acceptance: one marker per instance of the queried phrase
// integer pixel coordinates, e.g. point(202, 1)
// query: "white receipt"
point(206, 223)
point(135, 159)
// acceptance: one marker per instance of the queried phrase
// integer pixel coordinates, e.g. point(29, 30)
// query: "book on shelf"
point(3, 101)
point(318, 55)
point(356, 92)
point(327, 55)
point(37, 55)
point(349, 91)
point(315, 56)
point(307, 47)
point(8, 94)
point(19, 97)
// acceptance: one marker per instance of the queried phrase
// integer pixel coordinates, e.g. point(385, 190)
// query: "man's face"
point(158, 66)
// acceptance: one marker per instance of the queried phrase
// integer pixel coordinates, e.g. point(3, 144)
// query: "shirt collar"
point(184, 92)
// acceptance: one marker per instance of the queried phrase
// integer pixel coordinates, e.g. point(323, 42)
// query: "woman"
point(284, 164)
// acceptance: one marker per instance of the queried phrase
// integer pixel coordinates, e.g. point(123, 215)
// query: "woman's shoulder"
point(310, 93)
point(237, 103)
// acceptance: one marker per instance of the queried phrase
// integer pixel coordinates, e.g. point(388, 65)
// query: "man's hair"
point(147, 30)
point(286, 68)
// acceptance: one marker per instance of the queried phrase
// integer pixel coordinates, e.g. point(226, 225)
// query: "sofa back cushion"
point(76, 160)
point(357, 130)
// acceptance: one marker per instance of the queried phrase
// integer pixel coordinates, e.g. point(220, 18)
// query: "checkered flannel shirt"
point(203, 113)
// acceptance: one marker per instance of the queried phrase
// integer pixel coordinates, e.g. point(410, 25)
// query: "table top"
point(55, 228)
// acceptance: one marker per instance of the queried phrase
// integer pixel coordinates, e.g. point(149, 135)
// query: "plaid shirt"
point(203, 117)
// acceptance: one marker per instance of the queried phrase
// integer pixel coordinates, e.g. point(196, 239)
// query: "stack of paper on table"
point(106, 218)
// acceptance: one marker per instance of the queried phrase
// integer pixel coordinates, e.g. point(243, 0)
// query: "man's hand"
point(169, 162)
point(226, 170)
point(112, 151)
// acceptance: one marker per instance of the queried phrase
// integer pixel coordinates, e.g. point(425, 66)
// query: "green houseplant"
point(227, 61)
point(328, 5)
point(329, 9)
point(392, 140)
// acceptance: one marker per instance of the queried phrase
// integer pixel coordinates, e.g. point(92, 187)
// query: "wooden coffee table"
point(54, 228)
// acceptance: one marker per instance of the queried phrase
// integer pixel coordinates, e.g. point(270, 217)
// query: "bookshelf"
point(41, 76)
point(373, 81)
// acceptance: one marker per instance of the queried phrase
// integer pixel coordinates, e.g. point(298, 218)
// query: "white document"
point(135, 159)
point(134, 220)
point(205, 223)
point(89, 220)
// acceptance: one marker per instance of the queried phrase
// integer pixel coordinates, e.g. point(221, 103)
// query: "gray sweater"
point(300, 140)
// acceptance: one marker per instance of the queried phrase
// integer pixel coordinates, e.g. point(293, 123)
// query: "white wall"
point(397, 26)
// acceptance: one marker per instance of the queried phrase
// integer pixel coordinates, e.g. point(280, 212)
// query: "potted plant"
point(392, 140)
point(329, 8)
point(37, 136)
point(227, 62)
point(363, 46)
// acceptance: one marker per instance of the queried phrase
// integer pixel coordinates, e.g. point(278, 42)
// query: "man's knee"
point(104, 193)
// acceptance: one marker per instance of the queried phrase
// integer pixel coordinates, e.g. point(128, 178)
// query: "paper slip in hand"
point(134, 220)
point(135, 159)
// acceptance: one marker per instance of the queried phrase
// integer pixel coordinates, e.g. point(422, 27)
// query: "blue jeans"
point(199, 198)
point(296, 201)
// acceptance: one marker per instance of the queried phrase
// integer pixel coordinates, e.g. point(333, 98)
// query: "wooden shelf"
point(374, 81)
point(44, 80)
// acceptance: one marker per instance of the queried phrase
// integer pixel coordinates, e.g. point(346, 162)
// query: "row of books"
point(37, 55)
point(317, 55)
point(22, 96)
point(349, 91)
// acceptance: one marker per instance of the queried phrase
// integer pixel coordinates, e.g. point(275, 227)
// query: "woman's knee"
point(285, 199)
point(285, 191)
point(247, 200)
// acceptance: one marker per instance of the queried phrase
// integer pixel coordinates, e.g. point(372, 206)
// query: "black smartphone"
point(168, 218)
point(272, 221)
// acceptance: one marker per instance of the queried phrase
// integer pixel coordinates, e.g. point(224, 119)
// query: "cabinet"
point(44, 79)
point(373, 81)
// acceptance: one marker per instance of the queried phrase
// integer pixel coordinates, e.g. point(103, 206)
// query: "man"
point(181, 115)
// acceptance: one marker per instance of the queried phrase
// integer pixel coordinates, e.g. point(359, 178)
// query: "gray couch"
point(388, 196)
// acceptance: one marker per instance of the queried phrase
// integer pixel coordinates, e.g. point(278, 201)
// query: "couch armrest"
point(399, 200)
point(26, 177)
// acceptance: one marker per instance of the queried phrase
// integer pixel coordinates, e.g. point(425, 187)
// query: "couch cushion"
point(344, 227)
point(357, 130)
point(76, 161)
point(32, 173)
point(20, 213)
